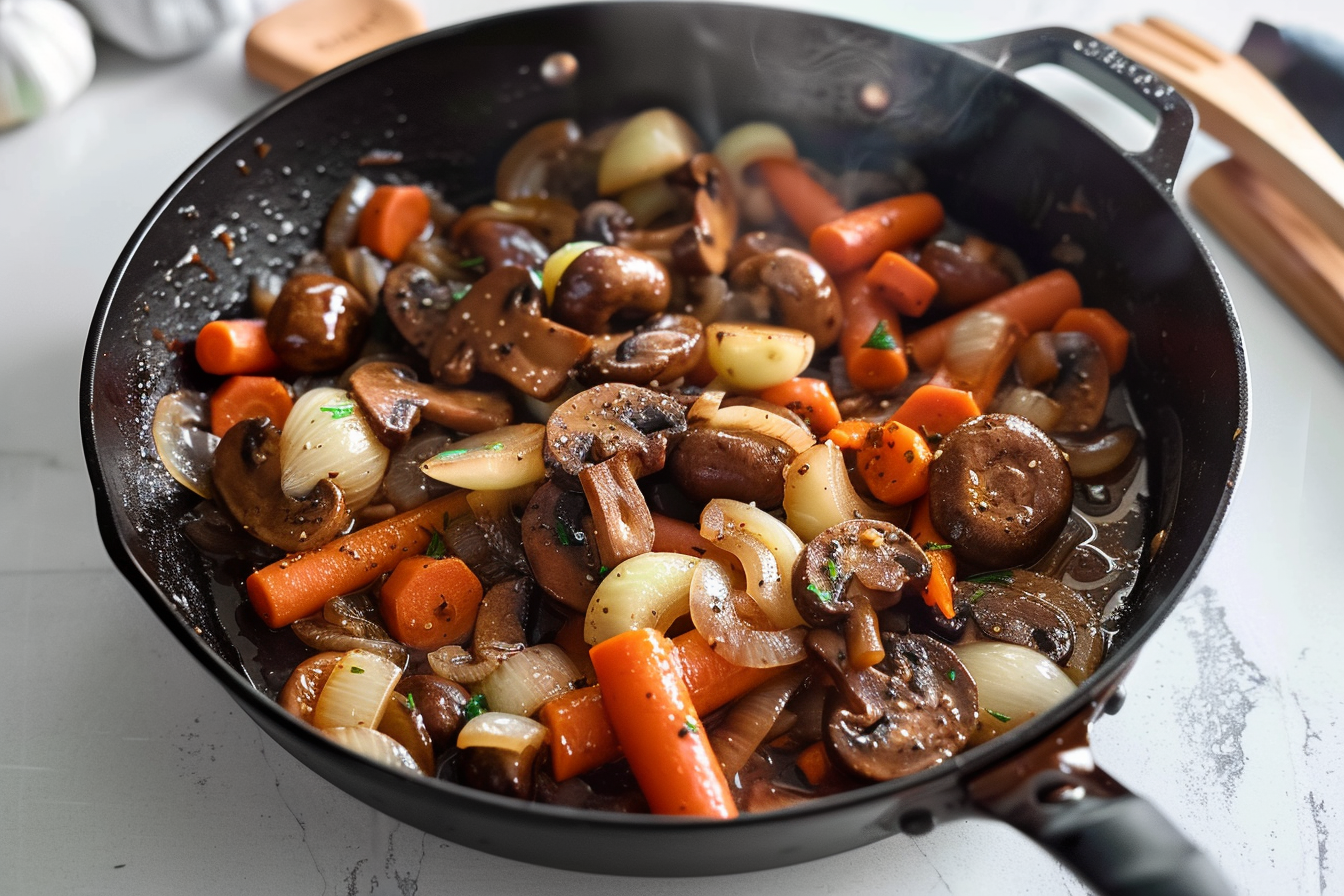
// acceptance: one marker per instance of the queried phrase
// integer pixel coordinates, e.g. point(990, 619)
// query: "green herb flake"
point(951, 674)
point(497, 446)
point(473, 262)
point(603, 570)
point(832, 570)
point(355, 670)
point(823, 596)
point(564, 534)
point(691, 725)
point(451, 452)
point(935, 546)
point(998, 577)
point(410, 701)
point(536, 277)
point(1000, 716)
point(979, 593)
point(460, 294)
point(339, 411)
point(437, 550)
point(475, 706)
point(881, 338)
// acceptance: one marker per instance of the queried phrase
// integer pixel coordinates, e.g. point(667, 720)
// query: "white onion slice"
point(456, 663)
point(752, 719)
point(503, 731)
point(653, 143)
point(750, 142)
point(767, 550)
point(818, 493)
point(1015, 684)
point(327, 437)
point(767, 423)
point(648, 591)
point(529, 678)
point(1032, 404)
point(721, 613)
point(752, 357)
point(375, 745)
point(183, 439)
point(705, 407)
point(357, 691)
point(648, 201)
point(502, 458)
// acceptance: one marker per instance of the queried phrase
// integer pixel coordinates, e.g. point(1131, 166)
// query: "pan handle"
point(1116, 842)
point(1135, 86)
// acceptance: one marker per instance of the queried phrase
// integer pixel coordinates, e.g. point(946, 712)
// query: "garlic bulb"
point(46, 58)
point(164, 29)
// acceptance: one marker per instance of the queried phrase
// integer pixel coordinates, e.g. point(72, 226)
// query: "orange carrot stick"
point(427, 603)
point(894, 463)
point(814, 763)
point(938, 593)
point(807, 203)
point(570, 639)
point(870, 338)
point(240, 398)
point(1104, 329)
point(905, 285)
point(858, 238)
point(235, 346)
point(933, 410)
point(711, 679)
point(678, 537)
point(1036, 304)
point(810, 399)
point(300, 584)
point(392, 219)
point(658, 728)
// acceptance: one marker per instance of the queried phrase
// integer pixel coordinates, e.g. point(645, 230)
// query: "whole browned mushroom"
point(247, 479)
point(966, 272)
point(1000, 490)
point(504, 244)
point(742, 465)
point(393, 400)
point(759, 242)
point(849, 572)
point(606, 282)
point(661, 349)
point(497, 327)
point(914, 710)
point(555, 539)
point(800, 291)
point(441, 703)
point(318, 323)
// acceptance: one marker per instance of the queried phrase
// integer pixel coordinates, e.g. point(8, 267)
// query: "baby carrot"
point(858, 238)
point(905, 285)
point(658, 728)
point(300, 584)
point(1036, 304)
point(392, 219)
point(810, 399)
point(936, 410)
point(1104, 329)
point(814, 763)
point(427, 603)
point(235, 346)
point(938, 593)
point(712, 680)
point(243, 397)
point(807, 203)
point(678, 537)
point(870, 338)
point(850, 434)
point(894, 463)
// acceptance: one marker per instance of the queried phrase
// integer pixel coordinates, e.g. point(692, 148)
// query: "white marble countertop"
point(124, 769)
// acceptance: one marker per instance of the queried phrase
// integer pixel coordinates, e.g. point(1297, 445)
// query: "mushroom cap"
point(1039, 612)
point(880, 556)
point(703, 247)
point(610, 420)
point(393, 400)
point(603, 221)
point(662, 348)
point(610, 281)
point(916, 708)
point(803, 295)
point(318, 323)
point(964, 277)
point(738, 464)
point(1000, 490)
point(1084, 382)
point(417, 304)
point(505, 244)
point(759, 242)
point(558, 549)
point(247, 479)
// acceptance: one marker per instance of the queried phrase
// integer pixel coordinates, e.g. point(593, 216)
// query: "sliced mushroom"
point(497, 327)
point(500, 632)
point(798, 288)
point(526, 168)
point(394, 401)
point(1039, 612)
point(701, 244)
point(759, 242)
point(558, 549)
point(549, 220)
point(1000, 490)
point(418, 304)
point(318, 323)
point(743, 465)
point(608, 421)
point(504, 244)
point(604, 221)
point(247, 479)
point(1082, 378)
point(441, 704)
point(608, 282)
point(849, 572)
point(661, 349)
point(914, 710)
point(966, 272)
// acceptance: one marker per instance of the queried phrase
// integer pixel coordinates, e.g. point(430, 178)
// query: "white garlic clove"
point(166, 29)
point(46, 58)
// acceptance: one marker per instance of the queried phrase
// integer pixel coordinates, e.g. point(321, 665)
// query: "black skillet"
point(1003, 158)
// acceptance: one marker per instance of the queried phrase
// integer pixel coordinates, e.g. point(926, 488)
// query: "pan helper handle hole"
point(1125, 127)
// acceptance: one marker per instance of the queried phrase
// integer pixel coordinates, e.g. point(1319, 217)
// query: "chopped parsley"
point(536, 277)
point(979, 593)
point(460, 294)
point(935, 546)
point(880, 337)
point(951, 674)
point(339, 411)
point(832, 570)
point(473, 262)
point(475, 706)
point(437, 549)
point(823, 596)
point(1000, 716)
point(355, 670)
point(603, 570)
point(410, 701)
point(565, 535)
point(998, 577)
point(451, 452)
point(691, 725)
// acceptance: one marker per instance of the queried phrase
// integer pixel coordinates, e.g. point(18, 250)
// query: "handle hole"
point(1125, 127)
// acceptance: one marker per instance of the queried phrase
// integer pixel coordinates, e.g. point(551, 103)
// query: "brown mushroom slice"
point(662, 349)
point(504, 244)
point(1006, 614)
point(1086, 645)
point(622, 523)
point(914, 710)
point(497, 328)
point(1000, 490)
point(742, 465)
point(407, 727)
point(966, 273)
point(394, 401)
point(703, 247)
point(1084, 382)
point(735, 627)
point(318, 323)
point(557, 547)
point(878, 557)
point(550, 220)
point(604, 221)
point(803, 295)
point(246, 478)
point(759, 242)
point(610, 281)
point(499, 634)
point(299, 695)
point(441, 704)
point(610, 420)
point(418, 304)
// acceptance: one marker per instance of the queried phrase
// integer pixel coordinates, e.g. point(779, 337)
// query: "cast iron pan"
point(1003, 158)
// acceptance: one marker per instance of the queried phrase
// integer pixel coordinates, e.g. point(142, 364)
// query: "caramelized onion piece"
point(735, 627)
point(183, 439)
